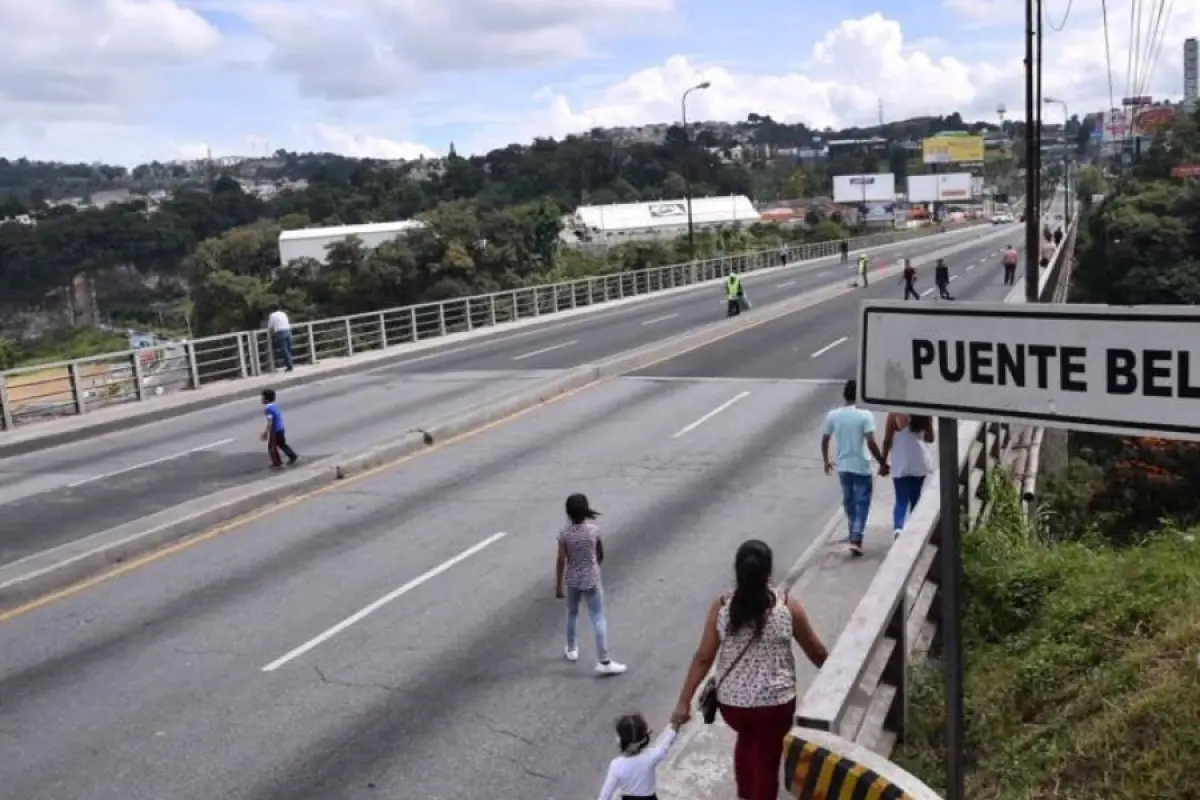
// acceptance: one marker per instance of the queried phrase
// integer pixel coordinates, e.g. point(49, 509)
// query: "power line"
point(1157, 37)
point(1066, 15)
point(1107, 53)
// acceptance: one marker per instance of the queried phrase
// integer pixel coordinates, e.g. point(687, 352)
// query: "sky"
point(129, 81)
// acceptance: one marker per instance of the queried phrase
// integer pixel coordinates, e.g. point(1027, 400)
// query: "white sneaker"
point(572, 654)
point(611, 668)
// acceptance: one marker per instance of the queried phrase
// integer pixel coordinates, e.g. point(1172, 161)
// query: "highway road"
point(61, 494)
point(397, 636)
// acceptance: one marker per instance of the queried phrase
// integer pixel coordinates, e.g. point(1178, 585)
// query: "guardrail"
point(69, 388)
point(861, 693)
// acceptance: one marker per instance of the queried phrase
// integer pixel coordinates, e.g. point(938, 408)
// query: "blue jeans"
point(856, 502)
point(283, 345)
point(908, 492)
point(595, 604)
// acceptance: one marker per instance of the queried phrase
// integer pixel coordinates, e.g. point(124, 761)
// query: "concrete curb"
point(53, 570)
point(246, 388)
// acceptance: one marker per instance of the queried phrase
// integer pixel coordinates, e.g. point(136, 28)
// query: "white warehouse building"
point(662, 219)
point(314, 242)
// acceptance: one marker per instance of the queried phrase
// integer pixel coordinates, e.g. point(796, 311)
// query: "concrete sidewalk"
point(700, 766)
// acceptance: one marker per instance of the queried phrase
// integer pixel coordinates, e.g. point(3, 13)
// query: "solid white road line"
point(786, 284)
point(689, 428)
point(927, 292)
point(953, 278)
point(549, 349)
point(663, 318)
point(362, 614)
point(171, 457)
point(828, 347)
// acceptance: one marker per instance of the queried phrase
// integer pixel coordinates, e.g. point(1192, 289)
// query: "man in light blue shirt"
point(852, 431)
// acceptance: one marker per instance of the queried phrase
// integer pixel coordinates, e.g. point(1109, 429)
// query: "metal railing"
point(68, 388)
point(861, 693)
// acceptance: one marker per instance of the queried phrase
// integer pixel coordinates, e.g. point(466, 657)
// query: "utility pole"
point(687, 168)
point(1031, 220)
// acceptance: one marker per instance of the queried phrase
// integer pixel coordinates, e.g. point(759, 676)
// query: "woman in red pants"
point(749, 633)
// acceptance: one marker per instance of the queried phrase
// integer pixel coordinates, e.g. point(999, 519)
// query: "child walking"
point(577, 578)
point(632, 772)
point(275, 436)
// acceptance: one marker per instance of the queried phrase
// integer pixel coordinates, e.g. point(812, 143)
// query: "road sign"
point(1132, 371)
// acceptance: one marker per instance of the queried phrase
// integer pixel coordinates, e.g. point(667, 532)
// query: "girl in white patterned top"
point(749, 632)
point(632, 772)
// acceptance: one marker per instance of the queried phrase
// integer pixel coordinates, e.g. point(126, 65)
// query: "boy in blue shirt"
point(851, 430)
point(274, 435)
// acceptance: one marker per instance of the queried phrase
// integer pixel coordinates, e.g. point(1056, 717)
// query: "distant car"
point(1001, 219)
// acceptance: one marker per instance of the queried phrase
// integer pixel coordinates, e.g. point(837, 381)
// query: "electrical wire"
point(1157, 37)
point(1066, 15)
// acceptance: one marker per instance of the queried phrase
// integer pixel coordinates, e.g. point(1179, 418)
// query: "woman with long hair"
point(905, 439)
point(749, 634)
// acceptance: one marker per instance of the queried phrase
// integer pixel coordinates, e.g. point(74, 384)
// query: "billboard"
point(952, 149)
point(948, 188)
point(1115, 125)
point(879, 187)
point(1154, 120)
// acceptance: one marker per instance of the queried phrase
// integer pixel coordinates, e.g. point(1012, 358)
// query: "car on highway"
point(1002, 219)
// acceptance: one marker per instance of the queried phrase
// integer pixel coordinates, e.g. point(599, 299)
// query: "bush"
point(1082, 670)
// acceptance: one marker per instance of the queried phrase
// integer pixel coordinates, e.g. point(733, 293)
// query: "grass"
point(1082, 669)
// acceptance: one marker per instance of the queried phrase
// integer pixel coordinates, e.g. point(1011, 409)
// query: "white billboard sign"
point(1132, 371)
point(945, 188)
point(879, 187)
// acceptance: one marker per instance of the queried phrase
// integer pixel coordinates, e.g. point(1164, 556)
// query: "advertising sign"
point(1115, 125)
point(950, 187)
point(1156, 119)
point(879, 187)
point(1186, 171)
point(952, 149)
point(1130, 371)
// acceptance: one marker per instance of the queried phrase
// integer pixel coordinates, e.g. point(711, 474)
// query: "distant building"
point(663, 219)
point(314, 242)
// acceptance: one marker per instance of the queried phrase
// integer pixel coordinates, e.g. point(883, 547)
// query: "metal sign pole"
point(951, 564)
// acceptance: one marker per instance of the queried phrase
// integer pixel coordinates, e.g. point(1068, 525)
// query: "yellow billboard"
point(952, 149)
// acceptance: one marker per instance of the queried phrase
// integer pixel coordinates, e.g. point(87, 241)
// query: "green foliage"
point(1082, 678)
point(62, 344)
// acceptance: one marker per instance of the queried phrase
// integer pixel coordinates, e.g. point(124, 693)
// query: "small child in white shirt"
point(632, 772)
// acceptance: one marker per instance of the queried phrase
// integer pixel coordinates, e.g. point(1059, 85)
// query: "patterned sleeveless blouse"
point(766, 674)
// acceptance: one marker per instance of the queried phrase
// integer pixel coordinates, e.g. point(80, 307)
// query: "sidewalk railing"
point(68, 388)
point(861, 693)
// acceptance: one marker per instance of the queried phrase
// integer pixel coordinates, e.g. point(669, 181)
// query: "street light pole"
point(1032, 250)
point(687, 168)
point(1066, 156)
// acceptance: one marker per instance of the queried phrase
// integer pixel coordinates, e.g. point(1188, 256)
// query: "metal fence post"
point(349, 338)
point(241, 340)
point(895, 671)
point(6, 420)
point(492, 310)
point(412, 321)
point(135, 367)
point(441, 319)
point(383, 340)
point(312, 345)
point(189, 349)
point(77, 389)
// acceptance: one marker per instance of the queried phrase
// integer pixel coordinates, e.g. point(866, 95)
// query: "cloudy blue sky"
point(132, 80)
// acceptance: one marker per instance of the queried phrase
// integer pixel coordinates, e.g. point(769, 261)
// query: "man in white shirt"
point(281, 335)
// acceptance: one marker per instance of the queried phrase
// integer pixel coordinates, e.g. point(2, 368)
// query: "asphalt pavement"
point(397, 636)
point(61, 494)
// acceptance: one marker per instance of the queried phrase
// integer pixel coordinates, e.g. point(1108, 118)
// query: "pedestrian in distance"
point(276, 435)
point(905, 442)
point(1009, 260)
point(909, 279)
point(633, 772)
point(851, 431)
point(577, 579)
point(844, 249)
point(941, 279)
point(280, 328)
point(863, 264)
point(749, 635)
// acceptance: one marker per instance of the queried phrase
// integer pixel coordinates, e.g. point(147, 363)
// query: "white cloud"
point(76, 76)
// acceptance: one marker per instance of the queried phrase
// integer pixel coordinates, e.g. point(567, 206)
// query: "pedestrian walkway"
point(831, 585)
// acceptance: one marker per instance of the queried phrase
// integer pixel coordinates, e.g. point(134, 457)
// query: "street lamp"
point(1066, 156)
point(687, 168)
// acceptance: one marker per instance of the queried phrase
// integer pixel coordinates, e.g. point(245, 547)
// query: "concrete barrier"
point(818, 765)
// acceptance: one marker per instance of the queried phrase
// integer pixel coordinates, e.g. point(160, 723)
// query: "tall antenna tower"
point(1000, 112)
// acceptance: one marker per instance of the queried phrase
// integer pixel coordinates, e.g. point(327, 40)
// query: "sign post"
point(1124, 370)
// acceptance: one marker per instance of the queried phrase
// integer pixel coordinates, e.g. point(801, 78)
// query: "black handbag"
point(708, 695)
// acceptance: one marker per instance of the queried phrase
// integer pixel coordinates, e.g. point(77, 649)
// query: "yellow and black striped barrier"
point(814, 771)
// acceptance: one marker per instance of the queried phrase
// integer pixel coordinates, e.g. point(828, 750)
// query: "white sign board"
point(1132, 371)
point(946, 188)
point(879, 187)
